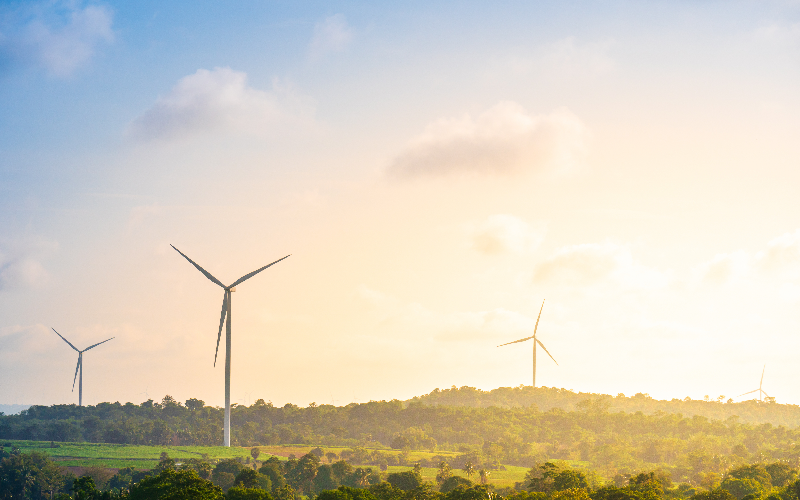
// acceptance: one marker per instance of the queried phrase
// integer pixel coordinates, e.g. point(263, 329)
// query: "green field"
point(118, 456)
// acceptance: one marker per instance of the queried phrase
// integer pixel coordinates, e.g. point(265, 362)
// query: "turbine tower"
point(535, 341)
point(759, 390)
point(79, 367)
point(226, 311)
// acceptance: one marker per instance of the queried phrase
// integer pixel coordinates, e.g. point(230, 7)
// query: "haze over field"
point(436, 171)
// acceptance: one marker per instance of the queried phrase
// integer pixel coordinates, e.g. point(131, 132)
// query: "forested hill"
point(546, 398)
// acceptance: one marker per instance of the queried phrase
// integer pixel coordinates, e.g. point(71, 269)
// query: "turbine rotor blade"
point(221, 322)
point(514, 342)
point(97, 344)
point(250, 275)
point(762, 376)
point(767, 395)
point(548, 352)
point(76, 372)
point(195, 264)
point(746, 393)
point(65, 340)
point(537, 321)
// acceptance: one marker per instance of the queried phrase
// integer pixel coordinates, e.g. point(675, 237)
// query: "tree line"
point(691, 449)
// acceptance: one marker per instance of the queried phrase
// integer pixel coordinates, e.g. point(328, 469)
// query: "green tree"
point(469, 469)
point(84, 488)
point(407, 480)
point(242, 493)
point(29, 475)
point(715, 494)
point(255, 452)
point(781, 474)
point(444, 473)
point(175, 485)
point(742, 487)
point(454, 482)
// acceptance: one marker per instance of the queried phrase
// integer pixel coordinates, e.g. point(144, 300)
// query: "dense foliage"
point(690, 448)
point(34, 477)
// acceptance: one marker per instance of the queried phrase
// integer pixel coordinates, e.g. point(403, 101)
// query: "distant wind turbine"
point(535, 341)
point(79, 367)
point(226, 310)
point(759, 390)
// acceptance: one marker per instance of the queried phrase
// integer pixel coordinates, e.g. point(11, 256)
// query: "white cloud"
point(59, 39)
point(782, 256)
point(503, 140)
point(219, 100)
point(724, 268)
point(20, 266)
point(594, 263)
point(503, 233)
point(331, 35)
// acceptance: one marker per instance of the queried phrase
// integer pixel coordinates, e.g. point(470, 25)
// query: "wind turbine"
point(535, 341)
point(226, 311)
point(79, 367)
point(759, 390)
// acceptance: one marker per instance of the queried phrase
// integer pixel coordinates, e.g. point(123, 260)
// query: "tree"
point(195, 404)
point(781, 474)
point(84, 488)
point(484, 476)
point(175, 485)
point(331, 456)
point(743, 487)
point(444, 473)
point(242, 493)
point(715, 494)
point(407, 480)
point(255, 452)
point(469, 469)
point(454, 482)
point(29, 475)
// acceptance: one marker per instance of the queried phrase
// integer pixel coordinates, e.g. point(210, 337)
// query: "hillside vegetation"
point(589, 432)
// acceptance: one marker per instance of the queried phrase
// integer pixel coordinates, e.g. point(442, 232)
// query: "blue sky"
point(435, 170)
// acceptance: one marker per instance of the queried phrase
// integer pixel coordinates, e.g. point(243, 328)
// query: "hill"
point(547, 398)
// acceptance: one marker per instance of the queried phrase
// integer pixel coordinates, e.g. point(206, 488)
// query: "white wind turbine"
point(760, 391)
point(226, 311)
point(79, 367)
point(535, 341)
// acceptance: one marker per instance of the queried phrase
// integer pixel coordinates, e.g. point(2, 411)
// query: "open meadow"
point(142, 457)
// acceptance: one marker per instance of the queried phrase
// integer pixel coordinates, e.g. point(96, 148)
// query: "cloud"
point(724, 268)
point(503, 233)
point(503, 140)
point(219, 100)
point(60, 39)
point(594, 263)
point(782, 256)
point(568, 55)
point(20, 266)
point(331, 35)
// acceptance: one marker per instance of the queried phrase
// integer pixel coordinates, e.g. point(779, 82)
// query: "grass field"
point(118, 456)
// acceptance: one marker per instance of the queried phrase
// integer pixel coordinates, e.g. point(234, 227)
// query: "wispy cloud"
point(59, 36)
point(503, 233)
point(503, 140)
point(595, 263)
point(219, 100)
point(20, 264)
point(331, 35)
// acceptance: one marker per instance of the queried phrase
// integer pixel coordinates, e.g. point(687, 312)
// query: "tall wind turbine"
point(226, 311)
point(79, 367)
point(535, 341)
point(759, 390)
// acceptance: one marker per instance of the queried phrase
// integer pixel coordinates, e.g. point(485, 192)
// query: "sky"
point(435, 170)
